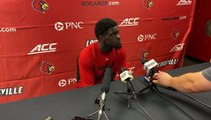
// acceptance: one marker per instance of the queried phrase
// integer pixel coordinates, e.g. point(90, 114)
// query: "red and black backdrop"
point(41, 39)
point(199, 42)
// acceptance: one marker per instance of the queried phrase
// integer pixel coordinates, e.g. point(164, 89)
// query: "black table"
point(80, 102)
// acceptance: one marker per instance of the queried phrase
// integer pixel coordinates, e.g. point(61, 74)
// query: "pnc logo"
point(146, 37)
point(62, 83)
point(59, 26)
point(66, 82)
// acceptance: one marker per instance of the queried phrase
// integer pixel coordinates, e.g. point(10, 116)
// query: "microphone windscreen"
point(106, 80)
point(125, 75)
point(150, 64)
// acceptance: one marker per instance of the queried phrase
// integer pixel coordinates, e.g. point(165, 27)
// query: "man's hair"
point(103, 25)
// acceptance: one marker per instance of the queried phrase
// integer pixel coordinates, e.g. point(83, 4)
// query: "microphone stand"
point(99, 117)
point(102, 108)
point(150, 84)
point(149, 76)
point(153, 87)
point(132, 94)
point(104, 90)
point(129, 94)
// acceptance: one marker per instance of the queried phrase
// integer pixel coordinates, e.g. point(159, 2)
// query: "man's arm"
point(189, 82)
point(85, 70)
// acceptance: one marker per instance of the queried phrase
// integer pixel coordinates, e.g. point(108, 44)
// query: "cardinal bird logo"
point(40, 5)
point(46, 67)
point(148, 3)
point(175, 34)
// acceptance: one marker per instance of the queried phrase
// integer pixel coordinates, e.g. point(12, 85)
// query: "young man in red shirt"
point(96, 57)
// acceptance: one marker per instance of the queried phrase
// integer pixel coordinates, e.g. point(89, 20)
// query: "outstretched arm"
point(189, 82)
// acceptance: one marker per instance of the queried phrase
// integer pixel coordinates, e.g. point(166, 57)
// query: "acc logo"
point(59, 26)
point(43, 48)
point(64, 82)
point(184, 2)
point(40, 6)
point(178, 47)
point(88, 42)
point(130, 22)
point(145, 37)
point(148, 3)
point(175, 34)
point(46, 67)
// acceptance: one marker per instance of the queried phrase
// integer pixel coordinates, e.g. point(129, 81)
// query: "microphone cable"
point(154, 88)
point(168, 100)
point(192, 98)
point(149, 116)
point(126, 76)
point(130, 86)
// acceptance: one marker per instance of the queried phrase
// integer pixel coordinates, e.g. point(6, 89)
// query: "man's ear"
point(101, 38)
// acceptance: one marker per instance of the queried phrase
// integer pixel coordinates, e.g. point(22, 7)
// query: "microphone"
point(104, 90)
point(127, 77)
point(150, 65)
point(106, 80)
point(150, 68)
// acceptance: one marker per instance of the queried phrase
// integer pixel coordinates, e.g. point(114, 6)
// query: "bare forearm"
point(190, 82)
point(182, 83)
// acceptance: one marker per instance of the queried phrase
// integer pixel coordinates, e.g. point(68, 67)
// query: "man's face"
point(111, 38)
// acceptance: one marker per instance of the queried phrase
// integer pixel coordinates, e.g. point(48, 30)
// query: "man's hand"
point(162, 78)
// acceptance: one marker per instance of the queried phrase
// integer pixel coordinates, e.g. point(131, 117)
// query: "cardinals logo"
point(46, 67)
point(148, 3)
point(40, 5)
point(175, 34)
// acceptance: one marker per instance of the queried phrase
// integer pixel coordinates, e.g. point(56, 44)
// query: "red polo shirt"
point(92, 63)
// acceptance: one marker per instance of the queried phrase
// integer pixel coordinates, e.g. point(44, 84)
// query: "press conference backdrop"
point(41, 39)
point(199, 41)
